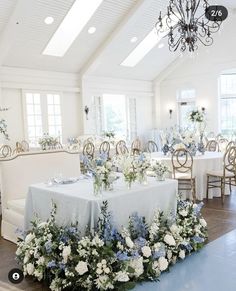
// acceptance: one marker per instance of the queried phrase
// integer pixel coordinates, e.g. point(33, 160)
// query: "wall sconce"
point(203, 109)
point(170, 113)
point(86, 110)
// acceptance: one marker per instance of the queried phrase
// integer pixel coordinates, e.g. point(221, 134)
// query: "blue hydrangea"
point(51, 264)
point(140, 242)
point(122, 256)
point(197, 210)
point(198, 239)
point(138, 226)
point(48, 246)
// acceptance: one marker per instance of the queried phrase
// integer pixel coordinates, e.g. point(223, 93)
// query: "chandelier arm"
point(209, 41)
point(214, 27)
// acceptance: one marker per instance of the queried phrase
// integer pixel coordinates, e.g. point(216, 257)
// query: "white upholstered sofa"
point(18, 172)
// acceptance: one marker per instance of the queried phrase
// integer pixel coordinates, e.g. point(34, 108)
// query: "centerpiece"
point(141, 165)
point(103, 174)
point(47, 142)
point(160, 170)
point(126, 164)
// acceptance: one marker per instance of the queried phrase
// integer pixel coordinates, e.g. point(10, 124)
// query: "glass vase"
point(97, 187)
point(143, 178)
point(160, 178)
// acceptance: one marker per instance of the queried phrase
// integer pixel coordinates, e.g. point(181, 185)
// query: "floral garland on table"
point(3, 128)
point(109, 134)
point(110, 259)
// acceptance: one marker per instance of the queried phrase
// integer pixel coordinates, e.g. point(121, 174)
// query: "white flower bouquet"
point(160, 170)
point(47, 141)
point(196, 116)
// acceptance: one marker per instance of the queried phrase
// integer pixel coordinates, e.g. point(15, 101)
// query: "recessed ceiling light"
point(92, 30)
point(145, 46)
point(49, 20)
point(161, 45)
point(71, 26)
point(134, 39)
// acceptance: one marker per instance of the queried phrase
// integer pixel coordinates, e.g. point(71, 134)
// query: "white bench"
point(22, 170)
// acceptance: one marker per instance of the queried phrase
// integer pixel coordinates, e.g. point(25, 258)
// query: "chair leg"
point(193, 190)
point(222, 190)
point(207, 187)
point(230, 185)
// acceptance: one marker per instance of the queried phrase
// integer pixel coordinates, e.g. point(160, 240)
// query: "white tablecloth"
point(76, 202)
point(210, 161)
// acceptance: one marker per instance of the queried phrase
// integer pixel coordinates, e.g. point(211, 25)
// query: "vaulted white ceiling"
point(24, 35)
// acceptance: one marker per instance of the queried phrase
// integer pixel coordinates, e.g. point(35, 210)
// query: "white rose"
point(99, 271)
point(183, 213)
point(169, 240)
point(203, 222)
point(66, 252)
point(182, 254)
point(163, 264)
point(29, 238)
point(129, 242)
point(174, 229)
point(104, 262)
point(122, 277)
point(137, 265)
point(81, 268)
point(146, 251)
point(107, 270)
point(30, 268)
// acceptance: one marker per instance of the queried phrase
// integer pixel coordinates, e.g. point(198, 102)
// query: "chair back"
point(223, 142)
point(5, 151)
point(121, 148)
point(229, 145)
point(104, 148)
point(152, 146)
point(182, 162)
point(212, 146)
point(230, 160)
point(88, 150)
point(135, 152)
point(136, 144)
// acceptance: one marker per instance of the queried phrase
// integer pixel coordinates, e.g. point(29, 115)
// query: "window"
point(228, 104)
point(186, 103)
point(43, 115)
point(116, 112)
point(34, 117)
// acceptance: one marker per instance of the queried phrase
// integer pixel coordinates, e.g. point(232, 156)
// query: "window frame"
point(44, 110)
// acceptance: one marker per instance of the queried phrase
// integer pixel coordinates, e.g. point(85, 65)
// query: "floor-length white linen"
point(210, 161)
point(76, 202)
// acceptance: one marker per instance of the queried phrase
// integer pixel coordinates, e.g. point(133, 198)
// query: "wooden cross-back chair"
point(182, 164)
point(104, 148)
point(227, 176)
point(152, 146)
point(88, 150)
point(229, 145)
point(212, 146)
point(223, 142)
point(5, 151)
point(121, 148)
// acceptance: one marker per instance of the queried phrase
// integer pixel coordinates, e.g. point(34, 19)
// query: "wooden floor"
point(220, 219)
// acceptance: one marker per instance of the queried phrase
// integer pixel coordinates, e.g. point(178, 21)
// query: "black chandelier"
point(186, 23)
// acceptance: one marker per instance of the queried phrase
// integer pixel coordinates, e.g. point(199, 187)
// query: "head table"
point(76, 202)
point(210, 161)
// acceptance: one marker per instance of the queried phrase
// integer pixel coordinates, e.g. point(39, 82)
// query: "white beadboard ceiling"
point(99, 54)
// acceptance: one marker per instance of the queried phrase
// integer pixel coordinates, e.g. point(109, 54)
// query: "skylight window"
point(74, 22)
point(145, 46)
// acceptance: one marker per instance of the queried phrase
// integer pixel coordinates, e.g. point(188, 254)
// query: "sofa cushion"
point(17, 205)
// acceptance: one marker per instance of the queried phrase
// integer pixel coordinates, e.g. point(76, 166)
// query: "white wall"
point(142, 91)
point(15, 80)
point(200, 73)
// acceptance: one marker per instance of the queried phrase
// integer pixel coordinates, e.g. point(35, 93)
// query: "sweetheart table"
point(76, 202)
point(210, 161)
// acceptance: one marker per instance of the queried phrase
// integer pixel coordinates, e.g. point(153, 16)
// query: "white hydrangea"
point(129, 242)
point(137, 265)
point(122, 277)
point(30, 268)
point(203, 222)
point(146, 251)
point(81, 268)
point(163, 264)
point(169, 240)
point(66, 253)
